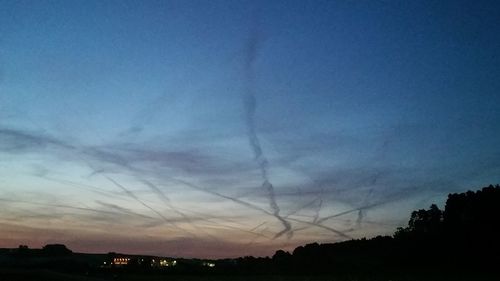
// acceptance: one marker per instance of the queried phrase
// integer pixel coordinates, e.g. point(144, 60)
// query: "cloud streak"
point(133, 196)
point(15, 140)
point(250, 105)
point(122, 159)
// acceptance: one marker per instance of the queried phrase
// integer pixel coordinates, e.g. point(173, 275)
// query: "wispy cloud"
point(16, 140)
point(250, 105)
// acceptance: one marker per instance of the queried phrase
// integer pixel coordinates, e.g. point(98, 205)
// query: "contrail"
point(318, 209)
point(185, 217)
point(133, 196)
point(248, 205)
point(353, 210)
point(256, 227)
point(79, 185)
point(318, 223)
point(82, 153)
point(338, 232)
point(361, 212)
point(251, 242)
point(167, 202)
point(121, 209)
point(308, 204)
point(165, 199)
point(62, 206)
point(404, 193)
point(183, 182)
point(250, 104)
point(220, 195)
point(157, 191)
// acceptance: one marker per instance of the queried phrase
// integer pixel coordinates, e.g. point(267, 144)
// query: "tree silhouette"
point(56, 250)
point(465, 236)
point(423, 223)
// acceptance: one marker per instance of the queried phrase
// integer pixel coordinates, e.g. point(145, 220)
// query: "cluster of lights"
point(167, 263)
point(154, 262)
point(121, 261)
point(209, 264)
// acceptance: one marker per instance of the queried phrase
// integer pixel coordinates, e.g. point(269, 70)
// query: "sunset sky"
point(234, 128)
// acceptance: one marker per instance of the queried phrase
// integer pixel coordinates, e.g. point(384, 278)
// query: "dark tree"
point(56, 250)
point(426, 221)
point(423, 224)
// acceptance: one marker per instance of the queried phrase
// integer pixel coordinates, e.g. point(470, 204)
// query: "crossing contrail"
point(133, 196)
point(250, 105)
point(62, 206)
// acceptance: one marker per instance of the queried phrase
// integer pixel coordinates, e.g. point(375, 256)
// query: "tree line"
point(465, 236)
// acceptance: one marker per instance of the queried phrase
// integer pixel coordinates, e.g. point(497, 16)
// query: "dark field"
point(46, 275)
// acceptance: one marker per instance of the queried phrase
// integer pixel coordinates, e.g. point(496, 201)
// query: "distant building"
point(120, 261)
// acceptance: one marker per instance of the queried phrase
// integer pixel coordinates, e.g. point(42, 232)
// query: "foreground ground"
point(46, 275)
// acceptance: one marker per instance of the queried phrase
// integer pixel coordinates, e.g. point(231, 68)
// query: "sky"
point(233, 128)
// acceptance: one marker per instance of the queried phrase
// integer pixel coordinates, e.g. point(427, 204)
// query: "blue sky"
point(231, 128)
